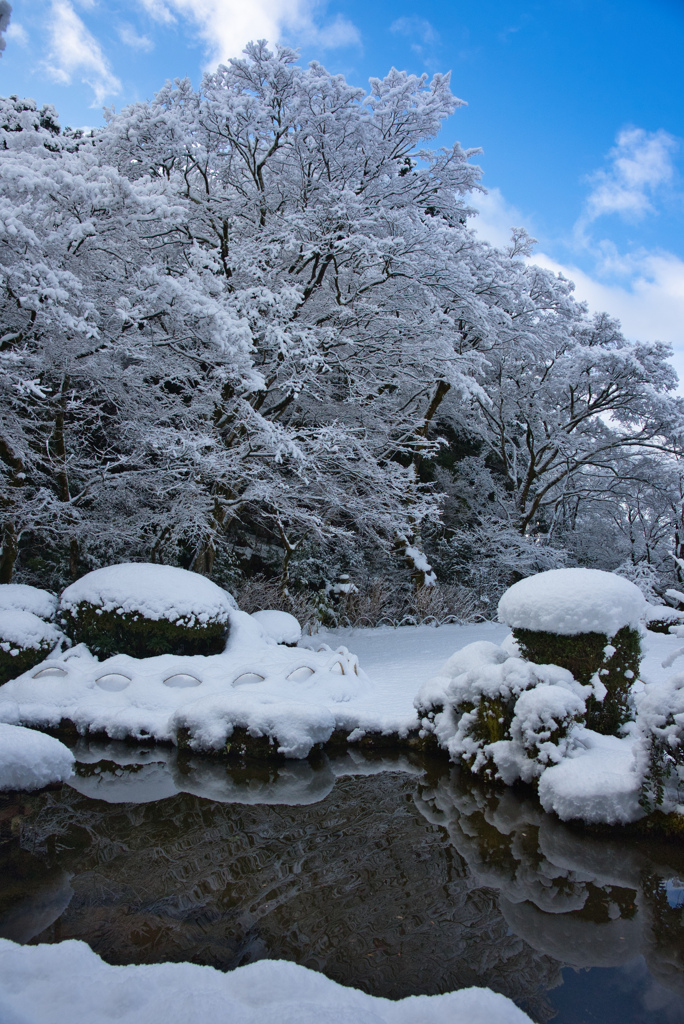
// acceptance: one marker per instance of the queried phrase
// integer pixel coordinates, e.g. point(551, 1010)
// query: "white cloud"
point(415, 28)
point(341, 32)
point(496, 217)
point(16, 33)
point(649, 305)
point(158, 10)
point(640, 165)
point(644, 290)
point(74, 51)
point(129, 37)
point(425, 39)
point(227, 25)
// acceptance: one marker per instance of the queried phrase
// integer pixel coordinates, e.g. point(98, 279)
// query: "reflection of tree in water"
point(359, 886)
point(585, 901)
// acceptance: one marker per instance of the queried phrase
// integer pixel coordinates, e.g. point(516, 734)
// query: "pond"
point(395, 876)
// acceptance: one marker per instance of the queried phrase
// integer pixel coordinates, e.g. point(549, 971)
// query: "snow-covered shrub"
point(22, 598)
point(544, 716)
point(660, 726)
point(660, 617)
point(145, 610)
point(499, 715)
point(586, 621)
point(25, 640)
point(282, 626)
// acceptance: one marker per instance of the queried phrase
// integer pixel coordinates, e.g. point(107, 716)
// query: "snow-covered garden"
point(561, 703)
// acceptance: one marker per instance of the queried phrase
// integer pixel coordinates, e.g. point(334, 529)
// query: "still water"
point(395, 876)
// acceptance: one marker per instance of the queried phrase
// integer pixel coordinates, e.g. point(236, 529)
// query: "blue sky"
point(577, 104)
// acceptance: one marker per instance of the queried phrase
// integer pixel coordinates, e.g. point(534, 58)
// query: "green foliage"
point(13, 666)
point(583, 654)
point(112, 632)
point(486, 722)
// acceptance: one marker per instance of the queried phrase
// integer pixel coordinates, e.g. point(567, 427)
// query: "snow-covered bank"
point(297, 696)
point(61, 983)
point(30, 760)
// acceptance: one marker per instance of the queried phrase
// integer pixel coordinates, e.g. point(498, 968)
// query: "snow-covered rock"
point(22, 598)
point(31, 760)
point(571, 601)
point(67, 981)
point(154, 591)
point(283, 627)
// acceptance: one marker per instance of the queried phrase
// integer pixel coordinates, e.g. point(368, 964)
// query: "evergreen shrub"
point(25, 641)
point(584, 654)
point(107, 632)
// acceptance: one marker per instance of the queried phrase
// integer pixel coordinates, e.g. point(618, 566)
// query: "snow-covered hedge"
point(19, 597)
point(26, 633)
point(25, 640)
point(587, 621)
point(145, 610)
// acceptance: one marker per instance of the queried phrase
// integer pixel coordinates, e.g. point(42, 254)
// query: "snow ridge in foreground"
point(66, 982)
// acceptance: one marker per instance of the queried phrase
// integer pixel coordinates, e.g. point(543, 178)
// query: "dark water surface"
point(397, 877)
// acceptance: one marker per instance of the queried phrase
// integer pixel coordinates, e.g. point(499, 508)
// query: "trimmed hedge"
point(12, 666)
point(112, 632)
point(583, 654)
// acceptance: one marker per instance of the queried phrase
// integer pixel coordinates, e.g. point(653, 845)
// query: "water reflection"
point(587, 902)
point(396, 876)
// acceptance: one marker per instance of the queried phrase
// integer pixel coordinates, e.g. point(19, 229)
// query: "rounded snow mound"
point(22, 598)
point(153, 591)
point(570, 601)
point(281, 626)
point(31, 760)
point(26, 630)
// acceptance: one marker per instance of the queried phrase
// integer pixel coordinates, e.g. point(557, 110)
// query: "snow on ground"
point(571, 601)
point(31, 760)
point(64, 982)
point(399, 660)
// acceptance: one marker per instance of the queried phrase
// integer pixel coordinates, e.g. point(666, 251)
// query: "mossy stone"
point(583, 654)
point(111, 632)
